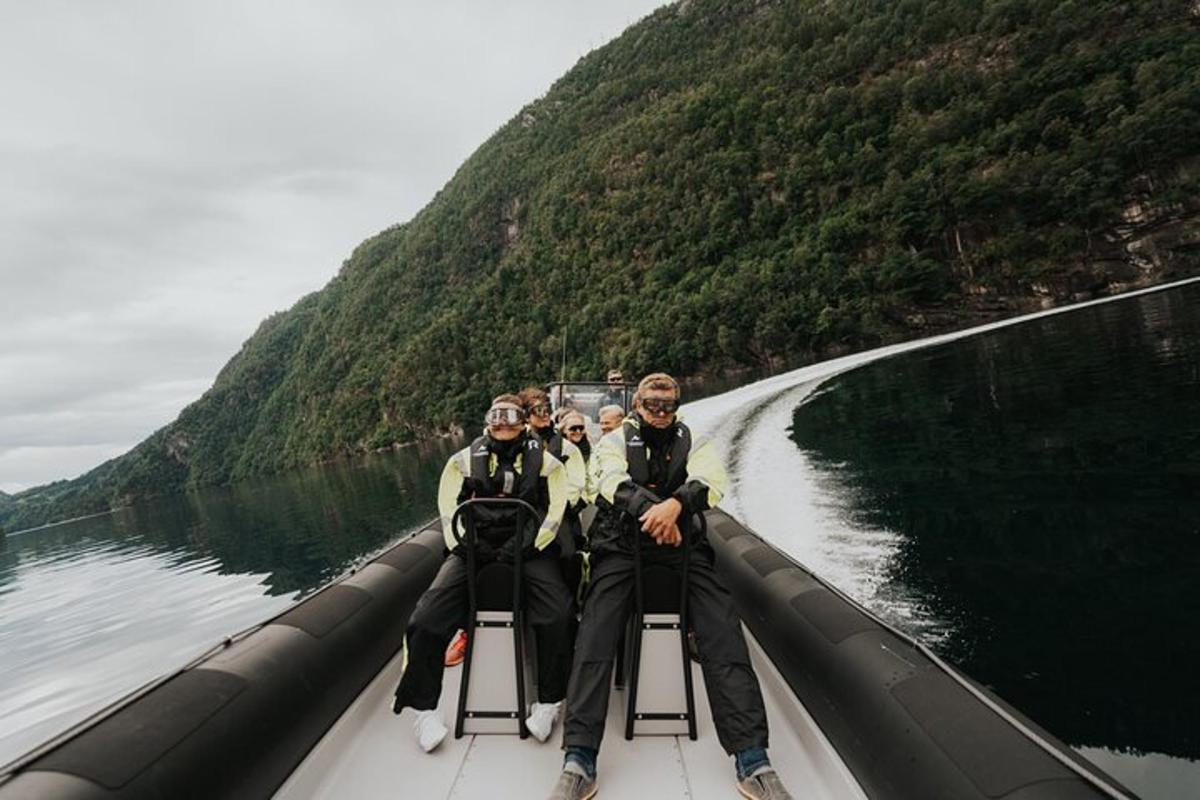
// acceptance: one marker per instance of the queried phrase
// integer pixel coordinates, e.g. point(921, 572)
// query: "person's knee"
point(722, 644)
point(425, 624)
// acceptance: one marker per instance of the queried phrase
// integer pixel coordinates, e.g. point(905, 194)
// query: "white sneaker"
point(542, 718)
point(430, 729)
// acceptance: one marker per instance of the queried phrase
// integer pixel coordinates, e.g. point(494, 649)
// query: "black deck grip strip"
point(726, 528)
point(990, 752)
point(325, 611)
point(833, 617)
point(119, 748)
point(766, 559)
point(405, 556)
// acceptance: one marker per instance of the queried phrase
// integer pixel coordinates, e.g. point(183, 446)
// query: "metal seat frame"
point(638, 625)
point(470, 541)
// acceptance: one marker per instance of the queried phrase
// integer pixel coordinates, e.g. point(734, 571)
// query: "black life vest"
point(638, 459)
point(496, 525)
point(506, 481)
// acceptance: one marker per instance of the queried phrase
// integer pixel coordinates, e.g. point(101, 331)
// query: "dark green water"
point(1033, 491)
point(1044, 482)
point(92, 609)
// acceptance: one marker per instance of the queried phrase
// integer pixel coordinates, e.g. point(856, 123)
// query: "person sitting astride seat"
point(615, 394)
point(537, 409)
point(504, 462)
point(653, 478)
point(610, 418)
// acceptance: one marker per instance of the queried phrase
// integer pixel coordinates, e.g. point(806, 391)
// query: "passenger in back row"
point(536, 403)
point(504, 462)
point(653, 478)
point(610, 418)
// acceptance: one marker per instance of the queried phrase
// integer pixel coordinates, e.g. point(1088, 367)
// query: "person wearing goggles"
point(574, 428)
point(537, 409)
point(653, 477)
point(504, 462)
point(536, 404)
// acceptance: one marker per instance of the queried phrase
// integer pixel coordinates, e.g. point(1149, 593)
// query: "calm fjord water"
point(1025, 500)
point(1043, 482)
point(92, 609)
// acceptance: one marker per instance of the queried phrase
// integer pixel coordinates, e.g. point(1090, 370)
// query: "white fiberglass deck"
point(371, 753)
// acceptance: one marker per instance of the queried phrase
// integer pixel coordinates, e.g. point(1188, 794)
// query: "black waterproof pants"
point(443, 609)
point(733, 691)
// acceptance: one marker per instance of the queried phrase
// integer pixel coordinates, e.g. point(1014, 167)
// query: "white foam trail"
point(775, 490)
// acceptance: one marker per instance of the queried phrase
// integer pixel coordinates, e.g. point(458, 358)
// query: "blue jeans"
point(584, 757)
point(749, 760)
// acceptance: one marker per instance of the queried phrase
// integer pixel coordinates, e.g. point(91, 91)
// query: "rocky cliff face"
point(730, 185)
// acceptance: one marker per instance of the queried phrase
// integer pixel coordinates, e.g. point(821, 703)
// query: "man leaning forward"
point(652, 478)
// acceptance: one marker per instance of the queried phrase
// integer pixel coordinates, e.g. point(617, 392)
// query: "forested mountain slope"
point(729, 184)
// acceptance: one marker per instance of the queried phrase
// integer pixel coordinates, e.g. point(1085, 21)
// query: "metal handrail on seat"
point(639, 624)
point(465, 512)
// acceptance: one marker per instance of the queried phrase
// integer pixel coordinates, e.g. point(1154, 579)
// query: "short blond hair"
point(659, 381)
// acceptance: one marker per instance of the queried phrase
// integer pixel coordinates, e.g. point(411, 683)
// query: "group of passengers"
point(647, 478)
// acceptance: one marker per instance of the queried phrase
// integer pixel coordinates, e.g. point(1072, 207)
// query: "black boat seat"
point(496, 638)
point(654, 666)
point(492, 702)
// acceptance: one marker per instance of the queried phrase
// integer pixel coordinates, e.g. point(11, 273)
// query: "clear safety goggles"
point(504, 415)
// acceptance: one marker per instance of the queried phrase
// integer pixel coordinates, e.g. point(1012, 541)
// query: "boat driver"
point(504, 462)
point(653, 477)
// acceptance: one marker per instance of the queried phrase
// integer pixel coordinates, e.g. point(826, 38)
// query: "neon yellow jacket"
point(704, 487)
point(458, 468)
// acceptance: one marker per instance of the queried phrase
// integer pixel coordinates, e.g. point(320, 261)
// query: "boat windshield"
point(589, 397)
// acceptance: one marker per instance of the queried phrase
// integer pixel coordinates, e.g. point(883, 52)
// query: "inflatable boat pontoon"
point(300, 707)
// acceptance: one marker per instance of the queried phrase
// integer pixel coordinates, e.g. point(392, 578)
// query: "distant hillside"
point(729, 184)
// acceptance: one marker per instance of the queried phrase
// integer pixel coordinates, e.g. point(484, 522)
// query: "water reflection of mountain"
point(298, 530)
point(304, 528)
point(1045, 480)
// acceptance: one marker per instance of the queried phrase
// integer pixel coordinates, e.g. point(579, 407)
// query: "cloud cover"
point(175, 172)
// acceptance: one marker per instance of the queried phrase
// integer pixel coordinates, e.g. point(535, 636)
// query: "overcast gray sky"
point(173, 172)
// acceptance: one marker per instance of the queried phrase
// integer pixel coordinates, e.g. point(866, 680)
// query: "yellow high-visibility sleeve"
point(705, 466)
point(556, 484)
point(609, 467)
point(449, 487)
point(576, 472)
point(591, 481)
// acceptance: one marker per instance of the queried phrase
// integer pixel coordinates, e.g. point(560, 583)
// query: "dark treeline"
point(728, 184)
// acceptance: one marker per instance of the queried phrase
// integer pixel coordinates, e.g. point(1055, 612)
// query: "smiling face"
point(539, 415)
point(505, 433)
point(575, 427)
point(610, 420)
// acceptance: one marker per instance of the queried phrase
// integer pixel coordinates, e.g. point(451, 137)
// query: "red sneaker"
point(457, 650)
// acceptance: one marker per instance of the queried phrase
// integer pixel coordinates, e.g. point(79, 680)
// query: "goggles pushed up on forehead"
point(656, 405)
point(504, 415)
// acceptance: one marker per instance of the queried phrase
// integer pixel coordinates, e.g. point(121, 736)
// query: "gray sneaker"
point(763, 785)
point(573, 785)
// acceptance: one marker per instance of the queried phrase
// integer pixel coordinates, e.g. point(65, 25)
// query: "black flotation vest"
point(676, 460)
point(527, 485)
point(506, 481)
